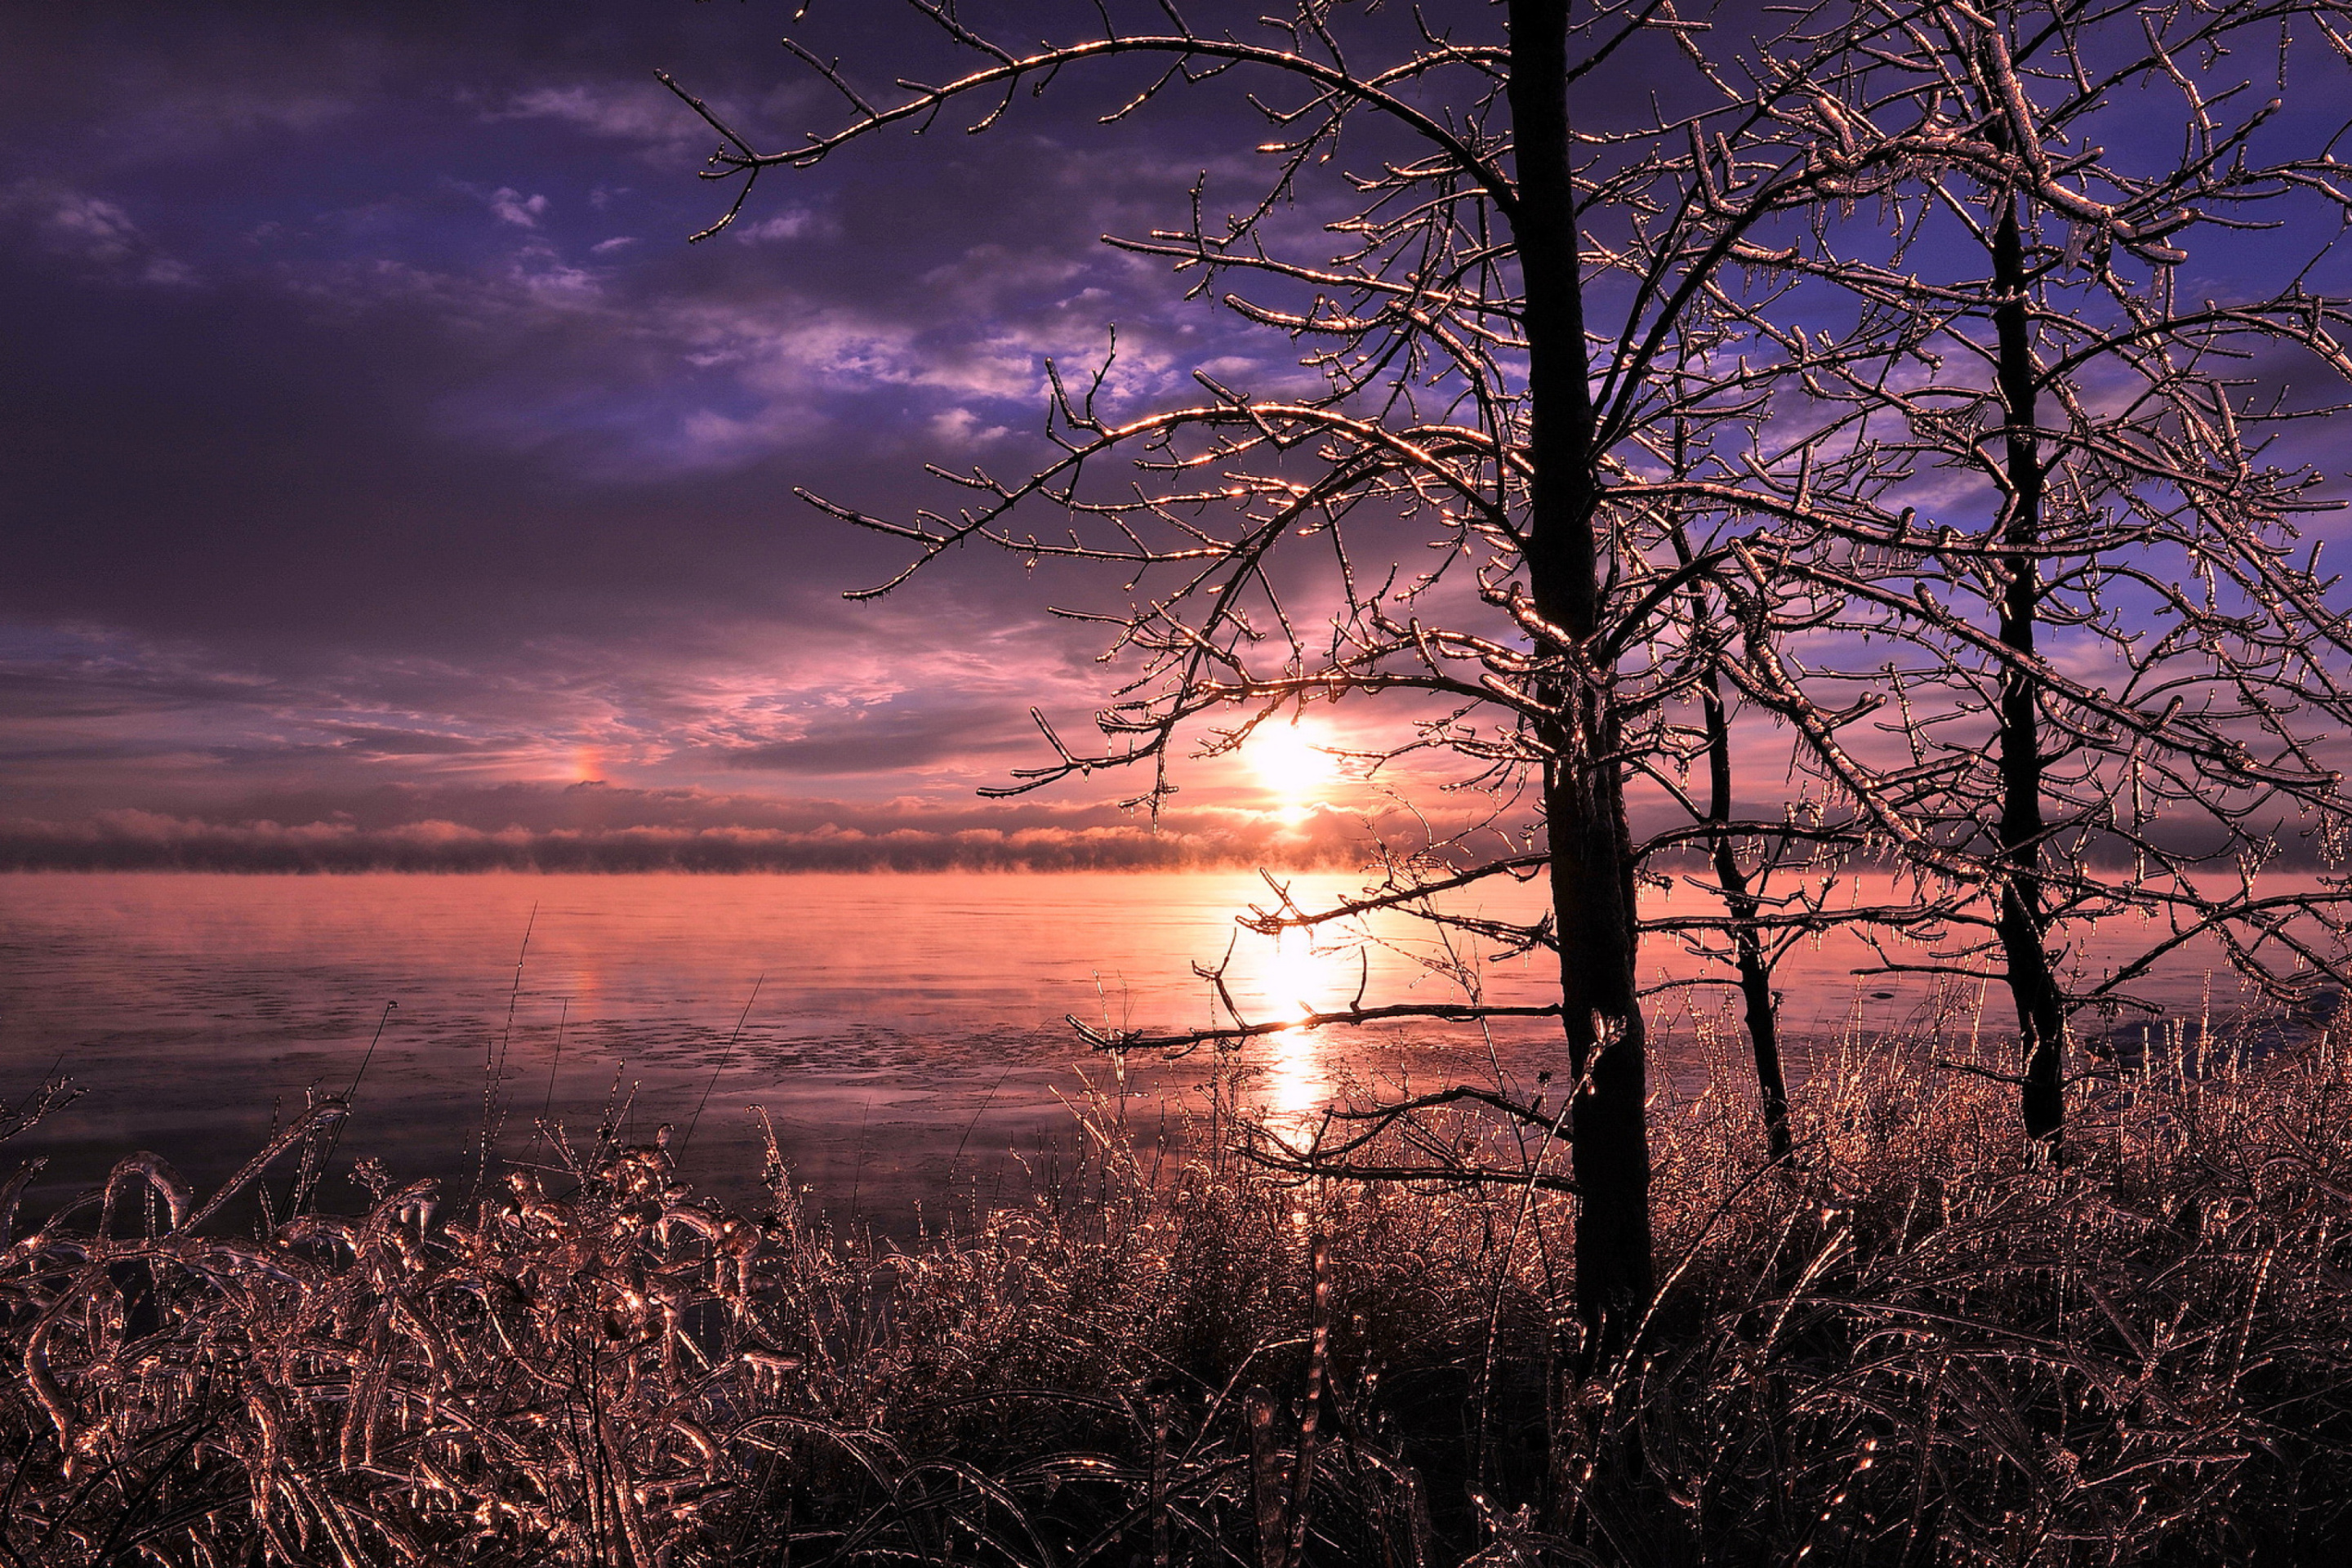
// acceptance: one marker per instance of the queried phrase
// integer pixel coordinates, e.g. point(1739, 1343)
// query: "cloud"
point(95, 231)
point(639, 111)
point(665, 131)
point(141, 840)
point(964, 430)
point(377, 739)
point(792, 223)
point(921, 694)
point(510, 206)
point(884, 739)
point(93, 227)
point(819, 837)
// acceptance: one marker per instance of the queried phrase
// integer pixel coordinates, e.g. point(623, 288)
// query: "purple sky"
point(384, 480)
point(378, 452)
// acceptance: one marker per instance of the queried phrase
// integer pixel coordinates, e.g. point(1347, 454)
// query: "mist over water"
point(905, 1033)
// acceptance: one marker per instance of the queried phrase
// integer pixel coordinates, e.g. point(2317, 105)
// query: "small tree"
point(2120, 692)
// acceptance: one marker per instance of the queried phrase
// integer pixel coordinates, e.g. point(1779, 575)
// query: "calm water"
point(905, 1033)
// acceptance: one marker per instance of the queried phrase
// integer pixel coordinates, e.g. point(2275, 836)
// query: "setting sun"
point(1292, 761)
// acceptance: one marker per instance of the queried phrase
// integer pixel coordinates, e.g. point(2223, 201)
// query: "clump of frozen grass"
point(1913, 1345)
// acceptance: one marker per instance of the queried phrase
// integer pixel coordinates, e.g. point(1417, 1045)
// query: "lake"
point(903, 1033)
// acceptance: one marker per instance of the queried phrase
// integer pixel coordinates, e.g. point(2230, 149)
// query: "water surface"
point(903, 1033)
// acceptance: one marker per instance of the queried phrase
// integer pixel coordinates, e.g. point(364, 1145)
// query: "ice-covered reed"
point(1912, 1344)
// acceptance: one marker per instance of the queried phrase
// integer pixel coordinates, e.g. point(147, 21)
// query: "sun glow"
point(1296, 979)
point(1293, 760)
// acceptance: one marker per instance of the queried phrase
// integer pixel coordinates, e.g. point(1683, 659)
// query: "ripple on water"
point(904, 1026)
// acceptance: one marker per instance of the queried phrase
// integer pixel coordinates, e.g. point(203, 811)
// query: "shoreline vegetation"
point(1909, 1343)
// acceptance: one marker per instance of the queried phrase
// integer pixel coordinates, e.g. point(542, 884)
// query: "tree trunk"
point(1740, 900)
point(2022, 926)
point(1746, 940)
point(1583, 788)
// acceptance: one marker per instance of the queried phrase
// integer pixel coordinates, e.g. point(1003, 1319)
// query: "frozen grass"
point(1913, 1348)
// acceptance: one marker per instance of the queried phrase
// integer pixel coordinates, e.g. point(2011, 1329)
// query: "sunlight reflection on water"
point(909, 1032)
point(1297, 978)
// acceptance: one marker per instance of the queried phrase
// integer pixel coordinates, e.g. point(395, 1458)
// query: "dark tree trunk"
point(1584, 790)
point(2023, 928)
point(1740, 903)
point(1746, 940)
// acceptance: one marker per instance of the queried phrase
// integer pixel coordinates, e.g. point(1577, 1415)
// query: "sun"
point(1292, 761)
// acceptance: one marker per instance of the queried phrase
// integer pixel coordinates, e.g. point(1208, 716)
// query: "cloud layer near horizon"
point(607, 827)
point(143, 841)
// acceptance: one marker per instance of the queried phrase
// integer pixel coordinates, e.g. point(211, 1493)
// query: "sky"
point(386, 477)
point(384, 480)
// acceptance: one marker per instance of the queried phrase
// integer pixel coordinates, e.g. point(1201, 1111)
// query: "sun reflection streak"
point(1293, 978)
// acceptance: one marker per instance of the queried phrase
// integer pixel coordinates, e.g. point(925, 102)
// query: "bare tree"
point(1578, 365)
point(1504, 320)
point(2121, 692)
